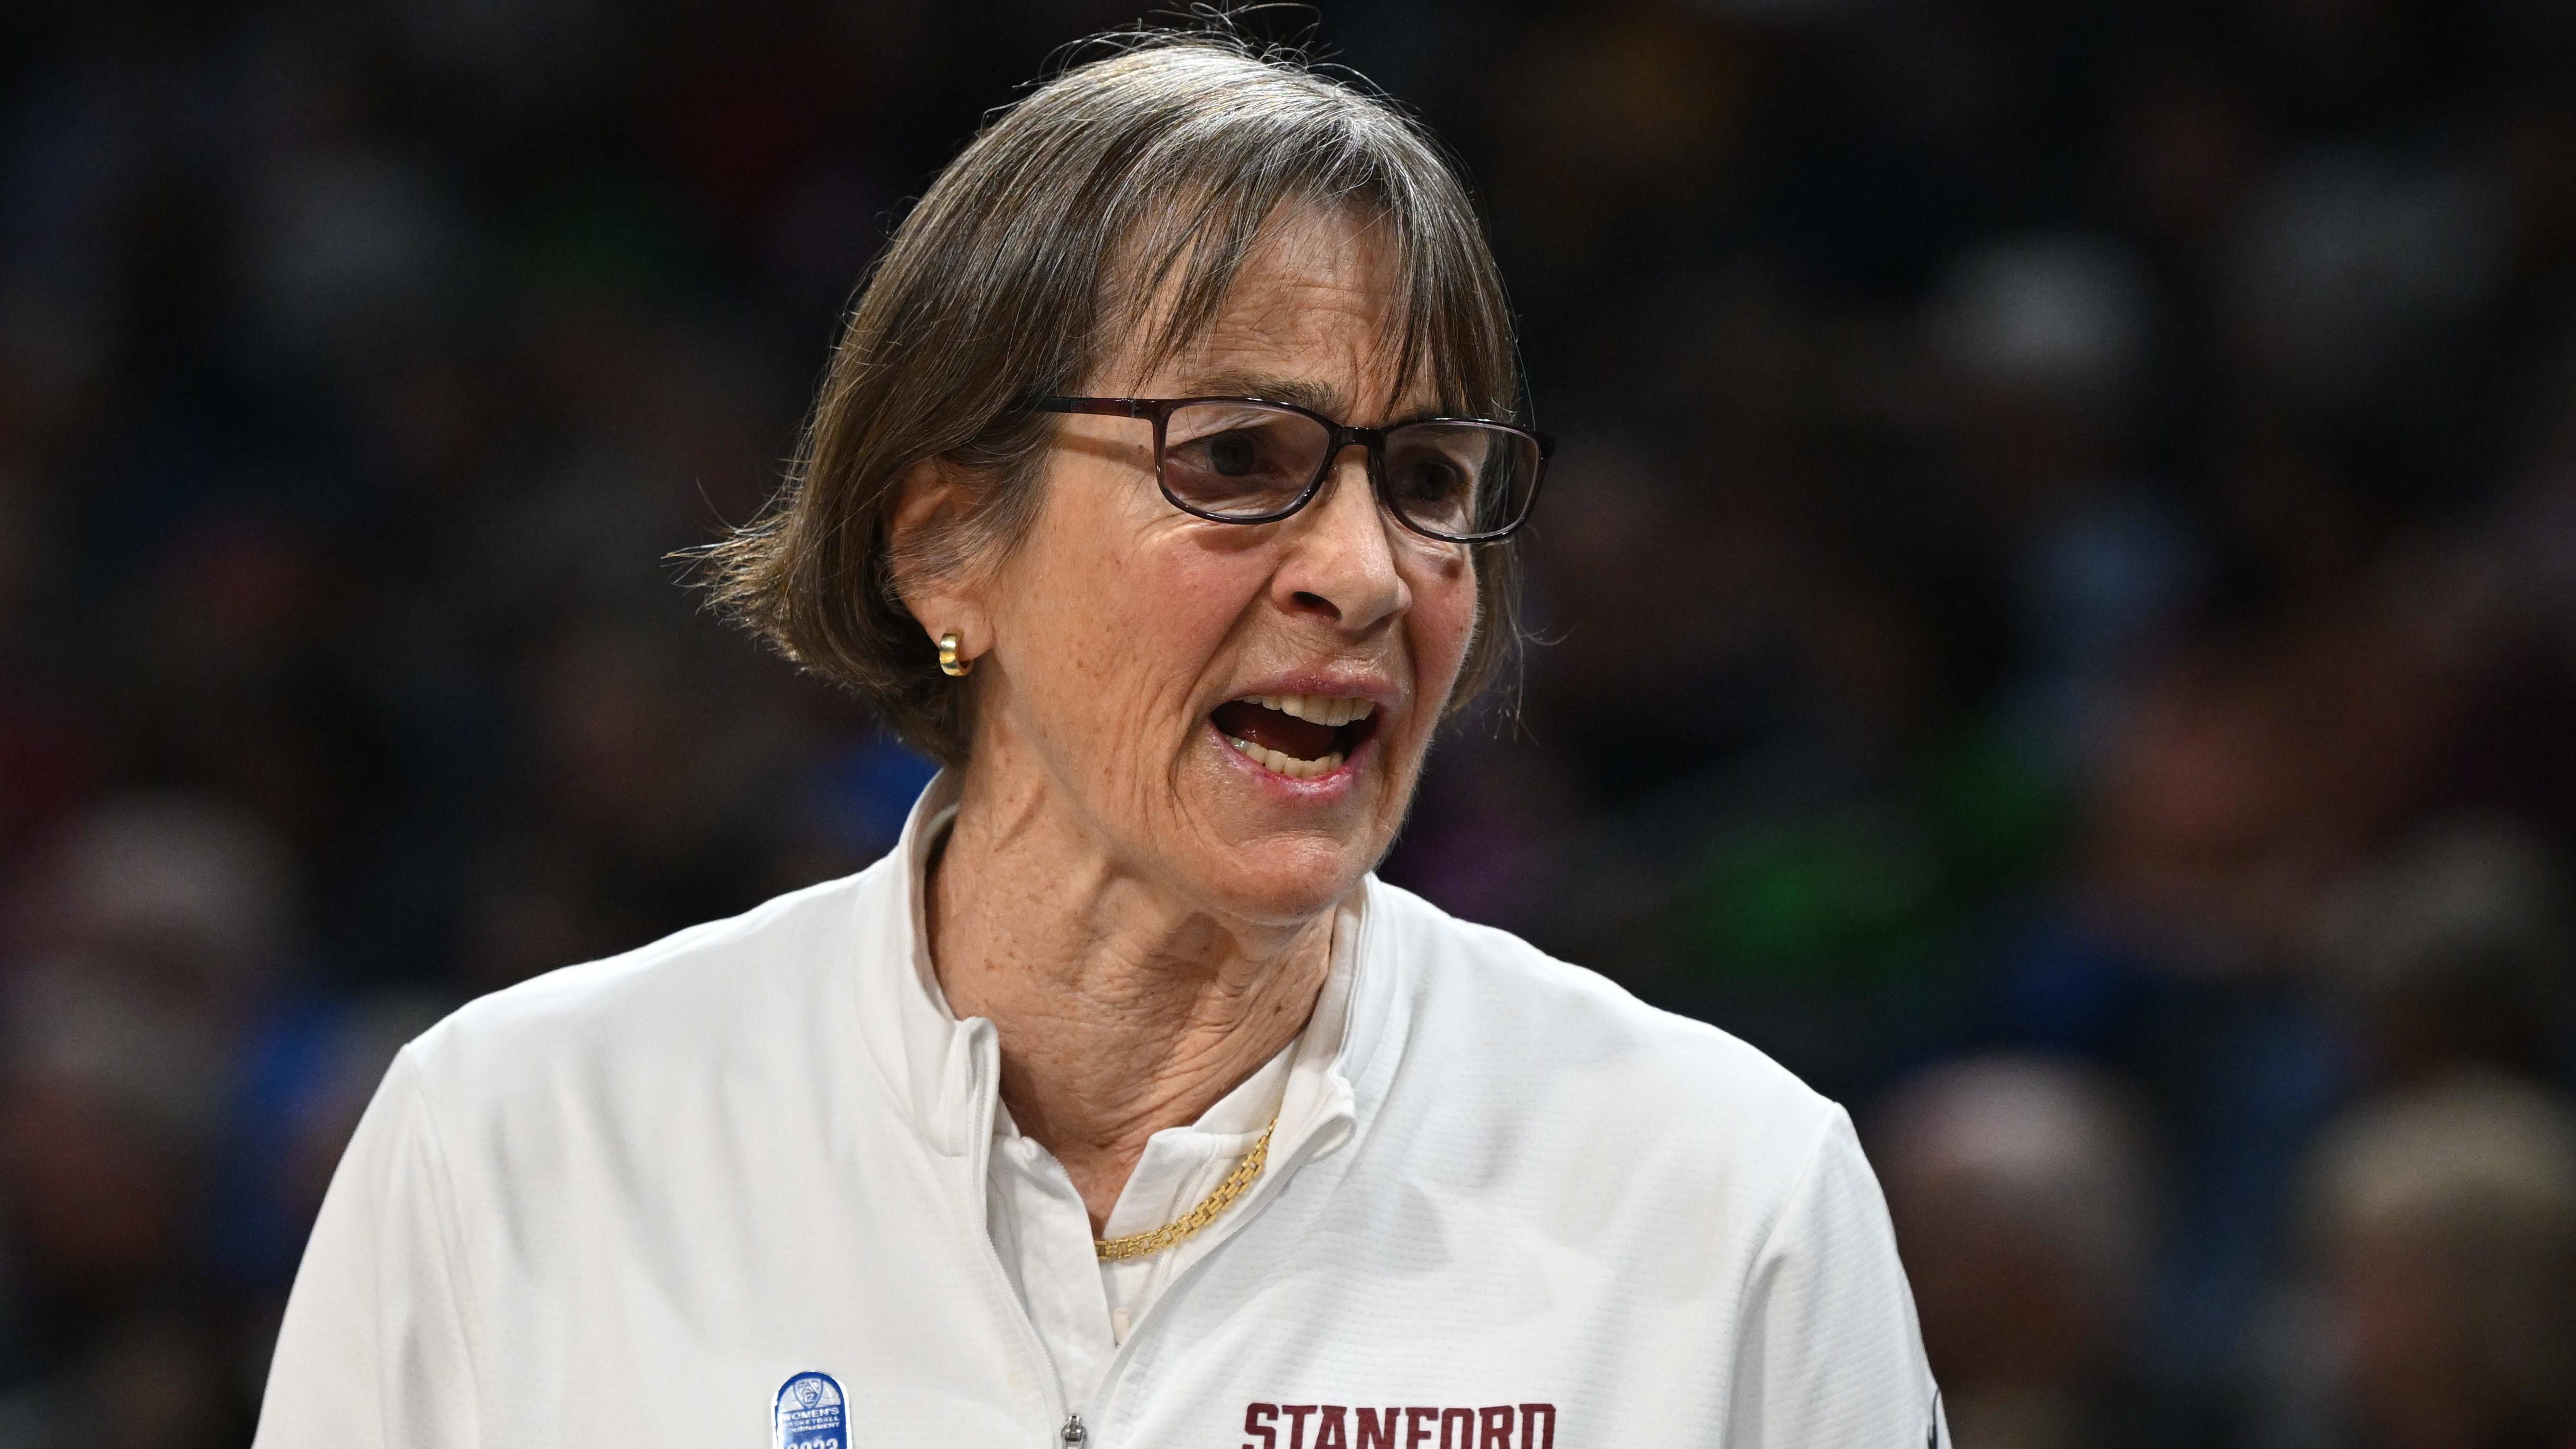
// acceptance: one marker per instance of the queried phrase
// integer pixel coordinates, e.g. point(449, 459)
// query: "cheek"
point(1442, 624)
point(1180, 606)
point(1118, 624)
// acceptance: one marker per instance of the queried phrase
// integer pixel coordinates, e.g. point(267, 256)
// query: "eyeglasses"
point(1249, 460)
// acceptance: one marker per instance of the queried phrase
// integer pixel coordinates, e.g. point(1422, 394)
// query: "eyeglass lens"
point(1247, 461)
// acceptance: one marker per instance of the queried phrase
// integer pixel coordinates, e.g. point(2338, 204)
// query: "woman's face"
point(1236, 713)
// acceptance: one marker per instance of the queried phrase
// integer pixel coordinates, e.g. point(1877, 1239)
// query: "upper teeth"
point(1322, 709)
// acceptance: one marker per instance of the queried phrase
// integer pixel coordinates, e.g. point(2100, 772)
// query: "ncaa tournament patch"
point(809, 1414)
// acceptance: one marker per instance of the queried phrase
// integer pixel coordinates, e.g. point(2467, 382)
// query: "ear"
point(937, 583)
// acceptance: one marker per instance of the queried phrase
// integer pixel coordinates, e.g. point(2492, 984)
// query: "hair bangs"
point(1230, 186)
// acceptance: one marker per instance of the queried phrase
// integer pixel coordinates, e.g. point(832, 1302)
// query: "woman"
point(1160, 489)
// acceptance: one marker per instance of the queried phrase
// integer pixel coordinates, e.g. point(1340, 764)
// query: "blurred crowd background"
point(2056, 618)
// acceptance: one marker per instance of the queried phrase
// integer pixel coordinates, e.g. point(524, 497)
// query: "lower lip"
point(1318, 789)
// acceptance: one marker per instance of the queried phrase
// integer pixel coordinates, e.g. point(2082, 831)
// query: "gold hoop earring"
point(949, 663)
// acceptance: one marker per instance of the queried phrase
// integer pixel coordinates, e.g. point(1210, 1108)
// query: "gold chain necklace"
point(1137, 1245)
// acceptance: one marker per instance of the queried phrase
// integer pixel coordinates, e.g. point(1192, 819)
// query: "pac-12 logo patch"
point(810, 1414)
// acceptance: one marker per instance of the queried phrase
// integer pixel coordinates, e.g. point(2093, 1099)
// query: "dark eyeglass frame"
point(1160, 409)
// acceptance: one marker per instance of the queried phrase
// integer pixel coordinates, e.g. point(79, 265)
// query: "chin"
point(1285, 882)
point(1278, 852)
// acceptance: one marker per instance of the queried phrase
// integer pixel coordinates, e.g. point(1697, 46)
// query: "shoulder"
point(1489, 994)
point(1572, 1056)
point(730, 997)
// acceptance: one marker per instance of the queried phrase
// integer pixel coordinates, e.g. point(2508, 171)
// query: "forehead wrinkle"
point(1177, 292)
point(1308, 393)
point(1183, 268)
point(1263, 351)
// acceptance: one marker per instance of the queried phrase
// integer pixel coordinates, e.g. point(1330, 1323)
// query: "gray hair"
point(1144, 177)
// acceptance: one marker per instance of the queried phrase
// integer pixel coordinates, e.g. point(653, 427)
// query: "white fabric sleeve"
point(1829, 1352)
point(372, 1353)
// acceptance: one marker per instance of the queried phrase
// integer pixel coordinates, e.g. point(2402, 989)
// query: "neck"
point(1119, 1011)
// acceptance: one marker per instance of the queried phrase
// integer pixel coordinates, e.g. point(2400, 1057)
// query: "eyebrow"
point(1315, 396)
point(1318, 397)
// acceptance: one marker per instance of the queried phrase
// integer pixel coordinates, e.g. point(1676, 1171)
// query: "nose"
point(1341, 561)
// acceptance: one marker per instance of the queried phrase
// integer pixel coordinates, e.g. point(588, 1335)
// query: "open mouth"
point(1301, 736)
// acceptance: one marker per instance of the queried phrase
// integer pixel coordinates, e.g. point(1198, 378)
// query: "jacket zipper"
point(1075, 1433)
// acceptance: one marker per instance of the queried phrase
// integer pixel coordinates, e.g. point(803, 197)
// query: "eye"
point(1431, 480)
point(1237, 459)
point(1234, 455)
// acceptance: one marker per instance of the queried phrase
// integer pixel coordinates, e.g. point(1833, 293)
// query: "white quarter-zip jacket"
point(734, 1190)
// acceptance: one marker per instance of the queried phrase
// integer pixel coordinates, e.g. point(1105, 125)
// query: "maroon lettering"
point(1423, 1426)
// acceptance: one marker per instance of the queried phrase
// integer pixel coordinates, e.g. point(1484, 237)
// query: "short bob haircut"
point(1143, 176)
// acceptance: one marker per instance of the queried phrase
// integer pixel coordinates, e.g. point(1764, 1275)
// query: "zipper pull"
point(1073, 1433)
